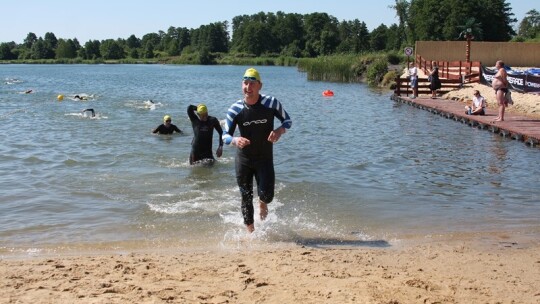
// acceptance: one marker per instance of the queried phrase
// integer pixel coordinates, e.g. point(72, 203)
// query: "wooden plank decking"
point(514, 126)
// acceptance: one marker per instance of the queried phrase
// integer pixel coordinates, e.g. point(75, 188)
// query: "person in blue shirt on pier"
point(254, 116)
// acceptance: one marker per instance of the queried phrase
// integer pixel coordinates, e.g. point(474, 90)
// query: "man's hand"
point(219, 151)
point(241, 142)
point(276, 134)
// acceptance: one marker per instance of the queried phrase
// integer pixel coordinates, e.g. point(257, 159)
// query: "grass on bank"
point(370, 67)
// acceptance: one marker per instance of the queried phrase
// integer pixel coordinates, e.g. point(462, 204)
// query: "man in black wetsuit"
point(203, 127)
point(254, 116)
point(166, 127)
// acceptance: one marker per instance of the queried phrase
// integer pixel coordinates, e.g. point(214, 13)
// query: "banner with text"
point(522, 83)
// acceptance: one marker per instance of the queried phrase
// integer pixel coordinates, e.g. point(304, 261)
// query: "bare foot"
point(263, 210)
point(251, 228)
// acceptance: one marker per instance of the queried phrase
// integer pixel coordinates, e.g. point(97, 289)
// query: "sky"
point(112, 19)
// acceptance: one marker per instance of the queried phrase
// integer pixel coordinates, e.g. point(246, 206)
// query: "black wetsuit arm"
point(191, 113)
point(218, 128)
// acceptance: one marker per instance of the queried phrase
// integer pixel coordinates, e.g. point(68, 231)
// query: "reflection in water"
point(497, 162)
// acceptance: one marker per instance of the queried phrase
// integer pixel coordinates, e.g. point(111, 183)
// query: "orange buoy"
point(328, 93)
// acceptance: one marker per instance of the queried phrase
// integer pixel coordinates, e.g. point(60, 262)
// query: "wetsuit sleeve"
point(218, 128)
point(175, 128)
point(284, 117)
point(230, 121)
point(191, 113)
point(156, 130)
point(279, 111)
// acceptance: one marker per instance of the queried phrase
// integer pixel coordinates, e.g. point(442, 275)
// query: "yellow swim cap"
point(166, 117)
point(252, 74)
point(201, 109)
point(60, 97)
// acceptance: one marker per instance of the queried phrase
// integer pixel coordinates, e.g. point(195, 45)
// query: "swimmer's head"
point(202, 109)
point(252, 75)
point(167, 118)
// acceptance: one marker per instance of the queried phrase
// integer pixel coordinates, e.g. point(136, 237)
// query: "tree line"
point(295, 35)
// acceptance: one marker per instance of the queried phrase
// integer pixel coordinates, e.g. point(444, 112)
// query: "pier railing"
point(453, 74)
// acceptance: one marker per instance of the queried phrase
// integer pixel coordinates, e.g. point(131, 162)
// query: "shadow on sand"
point(334, 242)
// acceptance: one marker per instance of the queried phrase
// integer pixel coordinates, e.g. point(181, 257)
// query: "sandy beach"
point(524, 103)
point(499, 271)
point(527, 104)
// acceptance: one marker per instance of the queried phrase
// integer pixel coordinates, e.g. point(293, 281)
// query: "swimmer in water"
point(89, 110)
point(166, 127)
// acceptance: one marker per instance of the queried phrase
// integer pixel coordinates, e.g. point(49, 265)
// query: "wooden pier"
point(514, 126)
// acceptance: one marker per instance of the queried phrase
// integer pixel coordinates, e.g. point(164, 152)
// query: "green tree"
point(294, 49)
point(184, 37)
point(50, 40)
point(150, 38)
point(149, 51)
point(111, 49)
point(329, 41)
point(169, 39)
point(91, 50)
point(255, 40)
point(77, 44)
point(134, 53)
point(30, 39)
point(315, 24)
point(5, 51)
point(214, 37)
point(288, 32)
point(402, 12)
point(66, 49)
point(394, 39)
point(440, 19)
point(426, 19)
point(249, 33)
point(204, 56)
point(378, 38)
point(133, 42)
point(174, 48)
point(529, 27)
point(40, 50)
point(497, 19)
point(354, 37)
point(238, 26)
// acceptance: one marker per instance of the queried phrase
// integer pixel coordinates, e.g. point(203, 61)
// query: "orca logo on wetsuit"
point(261, 121)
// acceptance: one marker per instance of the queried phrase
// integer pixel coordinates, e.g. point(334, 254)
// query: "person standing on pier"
point(413, 73)
point(434, 81)
point(500, 85)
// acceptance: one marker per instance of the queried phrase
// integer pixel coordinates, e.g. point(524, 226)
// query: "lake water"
point(354, 169)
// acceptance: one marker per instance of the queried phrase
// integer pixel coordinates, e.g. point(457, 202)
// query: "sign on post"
point(408, 52)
